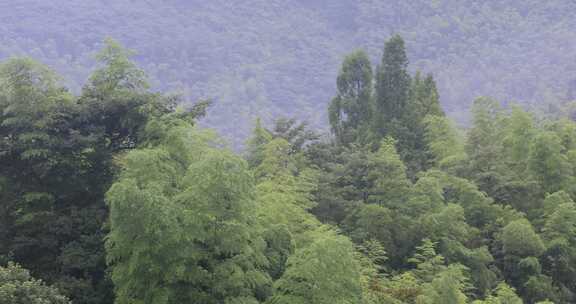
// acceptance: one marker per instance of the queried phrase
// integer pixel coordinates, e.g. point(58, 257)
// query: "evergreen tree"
point(260, 137)
point(392, 89)
point(350, 111)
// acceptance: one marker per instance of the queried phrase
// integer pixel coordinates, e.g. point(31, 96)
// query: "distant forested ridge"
point(262, 58)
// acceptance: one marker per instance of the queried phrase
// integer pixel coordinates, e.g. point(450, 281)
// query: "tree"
point(372, 222)
point(18, 287)
point(391, 187)
point(283, 197)
point(54, 180)
point(427, 261)
point(350, 111)
point(401, 105)
point(484, 145)
point(297, 134)
point(520, 239)
point(518, 134)
point(547, 163)
point(503, 294)
point(445, 144)
point(521, 246)
point(260, 137)
point(449, 287)
point(181, 227)
point(322, 273)
point(116, 100)
point(392, 88)
point(423, 102)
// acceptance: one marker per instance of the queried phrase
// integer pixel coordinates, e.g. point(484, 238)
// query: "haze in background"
point(272, 58)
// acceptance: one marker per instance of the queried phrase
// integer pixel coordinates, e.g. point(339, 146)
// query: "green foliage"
point(260, 137)
point(18, 287)
point(520, 239)
point(59, 156)
point(53, 209)
point(350, 111)
point(372, 222)
point(449, 287)
point(196, 209)
point(503, 294)
point(391, 185)
point(392, 87)
point(547, 163)
point(283, 197)
point(323, 272)
point(484, 144)
point(446, 146)
point(428, 262)
point(303, 219)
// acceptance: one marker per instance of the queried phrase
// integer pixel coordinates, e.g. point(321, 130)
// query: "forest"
point(115, 194)
point(273, 58)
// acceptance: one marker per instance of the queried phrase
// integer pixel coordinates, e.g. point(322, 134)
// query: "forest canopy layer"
point(116, 195)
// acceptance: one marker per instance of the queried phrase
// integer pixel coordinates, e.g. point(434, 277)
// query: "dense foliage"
point(18, 287)
point(115, 195)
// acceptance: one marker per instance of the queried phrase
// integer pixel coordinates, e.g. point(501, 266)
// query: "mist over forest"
point(261, 58)
point(287, 152)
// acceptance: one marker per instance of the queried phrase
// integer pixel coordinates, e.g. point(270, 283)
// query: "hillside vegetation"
point(271, 58)
point(116, 195)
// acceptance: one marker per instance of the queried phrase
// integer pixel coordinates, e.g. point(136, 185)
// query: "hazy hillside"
point(280, 58)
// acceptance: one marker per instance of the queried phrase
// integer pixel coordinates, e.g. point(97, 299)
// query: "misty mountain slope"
point(280, 58)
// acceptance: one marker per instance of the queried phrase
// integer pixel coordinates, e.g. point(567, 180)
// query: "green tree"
point(503, 294)
point(520, 239)
point(283, 197)
point(423, 102)
point(54, 180)
point(518, 134)
point(449, 287)
point(324, 272)
point(350, 111)
point(427, 261)
point(391, 187)
point(260, 137)
point(548, 165)
point(445, 144)
point(372, 222)
point(392, 88)
point(484, 145)
point(18, 287)
point(194, 205)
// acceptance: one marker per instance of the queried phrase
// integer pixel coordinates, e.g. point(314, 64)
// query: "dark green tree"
point(392, 89)
point(350, 111)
